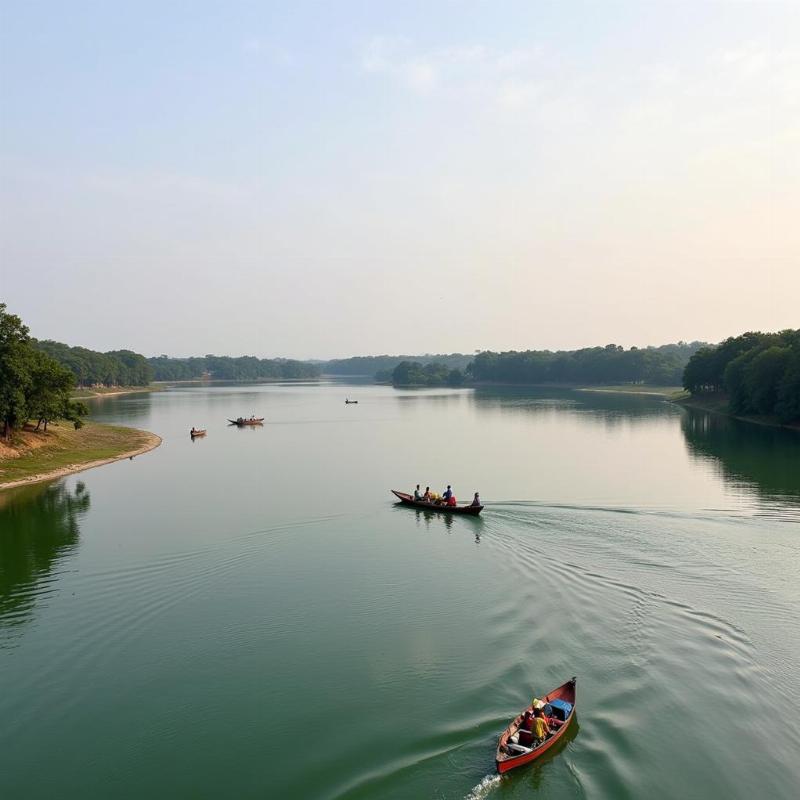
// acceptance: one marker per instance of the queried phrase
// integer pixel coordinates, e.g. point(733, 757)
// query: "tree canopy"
point(662, 366)
point(33, 385)
point(370, 365)
point(91, 368)
point(243, 368)
point(413, 373)
point(759, 372)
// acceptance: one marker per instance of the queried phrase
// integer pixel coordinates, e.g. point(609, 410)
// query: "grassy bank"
point(40, 456)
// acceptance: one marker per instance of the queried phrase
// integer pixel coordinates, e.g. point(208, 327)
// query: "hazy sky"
point(333, 178)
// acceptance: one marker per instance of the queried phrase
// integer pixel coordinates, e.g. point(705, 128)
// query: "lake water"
point(249, 615)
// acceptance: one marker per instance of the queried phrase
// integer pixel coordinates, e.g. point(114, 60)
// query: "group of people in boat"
point(446, 498)
point(534, 729)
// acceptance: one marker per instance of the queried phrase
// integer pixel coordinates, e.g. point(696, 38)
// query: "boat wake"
point(482, 789)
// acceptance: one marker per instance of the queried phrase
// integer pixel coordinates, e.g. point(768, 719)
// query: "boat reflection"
point(434, 520)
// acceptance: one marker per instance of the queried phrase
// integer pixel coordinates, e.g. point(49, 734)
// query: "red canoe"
point(515, 754)
point(408, 500)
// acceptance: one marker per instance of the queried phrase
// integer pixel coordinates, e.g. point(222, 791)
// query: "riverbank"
point(669, 392)
point(63, 450)
point(718, 404)
point(88, 393)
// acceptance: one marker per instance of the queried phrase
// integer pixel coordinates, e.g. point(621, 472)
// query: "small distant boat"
point(351, 402)
point(247, 421)
point(408, 500)
point(516, 747)
point(197, 432)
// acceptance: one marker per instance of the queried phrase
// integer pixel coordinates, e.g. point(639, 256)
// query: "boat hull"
point(408, 500)
point(243, 422)
point(505, 762)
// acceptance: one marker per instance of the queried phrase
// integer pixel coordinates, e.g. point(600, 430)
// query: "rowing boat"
point(408, 500)
point(250, 421)
point(197, 432)
point(512, 754)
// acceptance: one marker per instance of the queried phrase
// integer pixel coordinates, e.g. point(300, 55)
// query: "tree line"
point(661, 366)
point(33, 385)
point(228, 368)
point(415, 373)
point(759, 373)
point(370, 365)
point(91, 368)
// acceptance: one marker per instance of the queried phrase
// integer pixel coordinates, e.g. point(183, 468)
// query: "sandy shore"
point(152, 442)
point(93, 395)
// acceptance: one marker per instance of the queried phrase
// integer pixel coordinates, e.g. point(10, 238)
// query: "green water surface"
point(249, 615)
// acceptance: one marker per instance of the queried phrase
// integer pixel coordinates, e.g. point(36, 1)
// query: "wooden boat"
point(511, 755)
point(250, 421)
point(408, 500)
point(197, 432)
point(351, 402)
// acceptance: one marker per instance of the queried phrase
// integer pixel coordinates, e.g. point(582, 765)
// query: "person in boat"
point(527, 722)
point(451, 501)
point(427, 496)
point(476, 501)
point(447, 493)
point(541, 730)
point(417, 494)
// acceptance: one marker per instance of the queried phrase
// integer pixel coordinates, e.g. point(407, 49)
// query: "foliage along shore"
point(611, 365)
point(754, 377)
point(33, 456)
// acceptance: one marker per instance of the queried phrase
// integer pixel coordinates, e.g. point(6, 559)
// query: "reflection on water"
point(437, 521)
point(134, 407)
point(38, 529)
point(751, 457)
point(606, 408)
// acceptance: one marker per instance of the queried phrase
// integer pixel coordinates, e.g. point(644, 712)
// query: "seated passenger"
point(527, 721)
point(540, 727)
point(451, 501)
point(476, 501)
point(447, 493)
point(417, 495)
point(427, 496)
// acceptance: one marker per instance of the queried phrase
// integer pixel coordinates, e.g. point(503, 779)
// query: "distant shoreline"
point(63, 451)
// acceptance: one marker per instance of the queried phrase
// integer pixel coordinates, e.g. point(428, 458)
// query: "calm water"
point(249, 615)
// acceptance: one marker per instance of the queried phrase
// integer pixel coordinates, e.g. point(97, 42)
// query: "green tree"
point(15, 377)
point(48, 396)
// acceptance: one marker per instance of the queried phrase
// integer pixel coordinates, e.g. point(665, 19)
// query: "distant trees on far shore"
point(33, 385)
point(383, 365)
point(759, 373)
point(612, 364)
point(228, 368)
point(414, 373)
point(92, 368)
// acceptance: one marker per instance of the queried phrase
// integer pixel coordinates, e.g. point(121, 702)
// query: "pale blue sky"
point(325, 179)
